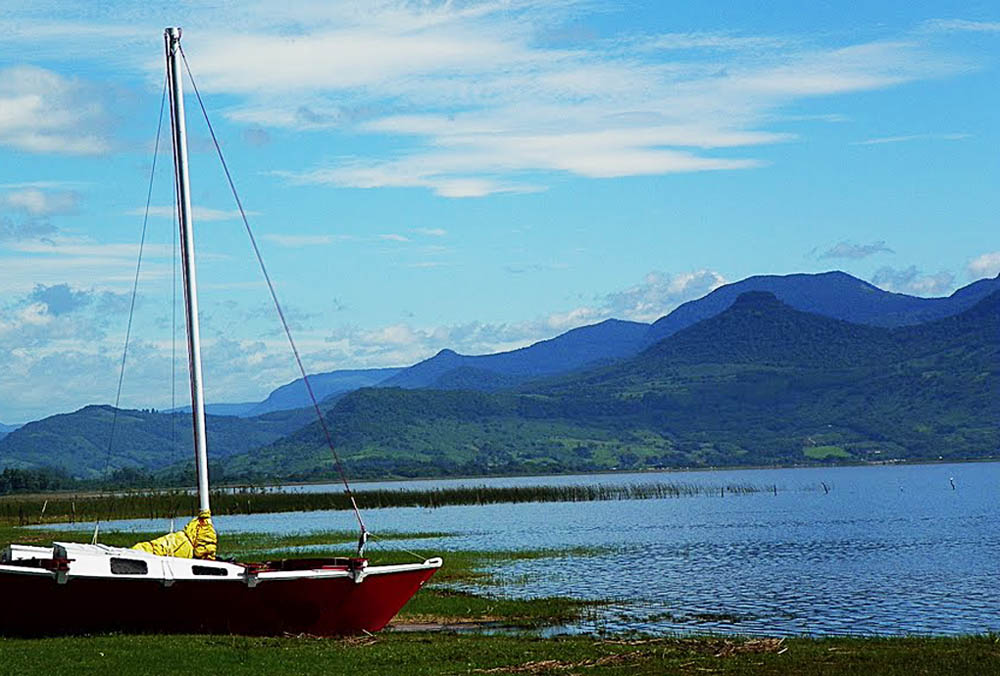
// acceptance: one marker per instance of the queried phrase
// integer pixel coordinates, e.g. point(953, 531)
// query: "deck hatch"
point(128, 566)
point(209, 570)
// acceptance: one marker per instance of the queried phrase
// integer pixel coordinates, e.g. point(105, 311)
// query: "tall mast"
point(172, 42)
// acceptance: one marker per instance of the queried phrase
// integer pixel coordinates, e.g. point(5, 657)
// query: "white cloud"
point(986, 265)
point(404, 175)
point(477, 99)
point(299, 241)
point(42, 185)
point(80, 262)
point(522, 268)
point(393, 237)
point(484, 100)
point(711, 41)
point(845, 249)
point(44, 112)
point(912, 280)
point(659, 293)
point(38, 202)
point(607, 115)
point(962, 26)
point(62, 246)
point(431, 232)
point(19, 229)
point(200, 213)
point(581, 316)
point(912, 137)
point(48, 337)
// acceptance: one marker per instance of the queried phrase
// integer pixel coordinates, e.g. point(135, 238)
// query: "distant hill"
point(7, 429)
point(759, 383)
point(241, 410)
point(758, 329)
point(293, 395)
point(585, 346)
point(78, 442)
point(831, 294)
point(325, 385)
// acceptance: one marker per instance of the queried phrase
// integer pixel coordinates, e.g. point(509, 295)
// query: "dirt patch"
point(445, 624)
point(546, 666)
point(721, 647)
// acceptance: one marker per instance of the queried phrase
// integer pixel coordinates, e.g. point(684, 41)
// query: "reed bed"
point(179, 504)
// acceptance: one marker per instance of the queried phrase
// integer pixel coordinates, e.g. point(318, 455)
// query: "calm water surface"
point(888, 550)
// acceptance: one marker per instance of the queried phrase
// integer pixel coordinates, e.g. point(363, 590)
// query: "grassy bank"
point(449, 653)
point(24, 510)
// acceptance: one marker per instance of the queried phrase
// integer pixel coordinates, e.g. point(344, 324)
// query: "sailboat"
point(77, 588)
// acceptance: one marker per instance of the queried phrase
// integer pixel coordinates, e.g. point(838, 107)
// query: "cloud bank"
point(42, 111)
point(476, 98)
point(913, 281)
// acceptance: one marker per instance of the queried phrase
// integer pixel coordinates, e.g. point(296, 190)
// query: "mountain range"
point(760, 383)
point(830, 294)
point(741, 376)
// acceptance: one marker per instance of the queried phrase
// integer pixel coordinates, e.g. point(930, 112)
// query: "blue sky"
point(472, 175)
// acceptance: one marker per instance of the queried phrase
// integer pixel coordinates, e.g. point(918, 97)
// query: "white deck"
point(103, 561)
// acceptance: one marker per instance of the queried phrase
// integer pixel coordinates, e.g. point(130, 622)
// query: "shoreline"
point(95, 493)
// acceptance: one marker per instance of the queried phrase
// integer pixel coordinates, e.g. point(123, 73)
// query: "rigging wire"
point(281, 315)
point(419, 557)
point(135, 283)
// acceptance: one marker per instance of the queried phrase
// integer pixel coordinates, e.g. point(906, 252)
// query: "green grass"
point(449, 653)
point(822, 452)
point(437, 605)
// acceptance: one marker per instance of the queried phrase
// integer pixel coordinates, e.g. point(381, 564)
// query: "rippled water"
point(889, 550)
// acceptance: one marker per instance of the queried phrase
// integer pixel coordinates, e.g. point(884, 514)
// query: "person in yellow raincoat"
point(198, 540)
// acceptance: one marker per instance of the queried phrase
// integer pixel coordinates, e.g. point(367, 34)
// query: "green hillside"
point(761, 383)
point(396, 432)
point(78, 442)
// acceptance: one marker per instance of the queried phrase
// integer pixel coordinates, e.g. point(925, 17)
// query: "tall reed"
point(179, 504)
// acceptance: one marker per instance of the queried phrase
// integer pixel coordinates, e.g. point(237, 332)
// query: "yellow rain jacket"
point(198, 540)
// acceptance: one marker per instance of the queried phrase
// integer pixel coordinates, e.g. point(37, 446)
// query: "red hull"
point(325, 606)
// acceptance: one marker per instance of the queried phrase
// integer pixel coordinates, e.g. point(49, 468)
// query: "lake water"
point(904, 549)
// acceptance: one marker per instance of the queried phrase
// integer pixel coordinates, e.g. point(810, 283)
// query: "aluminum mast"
point(172, 40)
